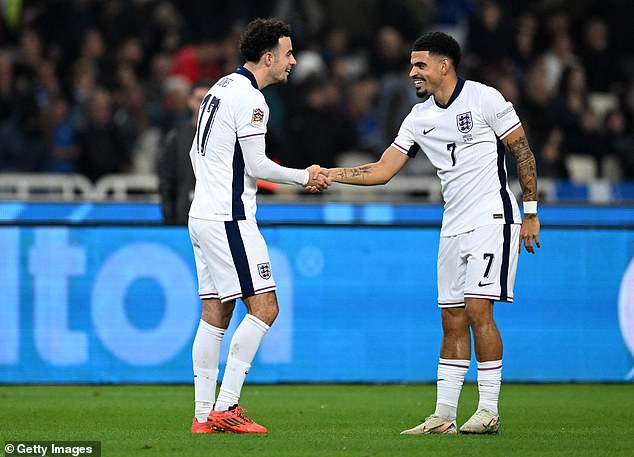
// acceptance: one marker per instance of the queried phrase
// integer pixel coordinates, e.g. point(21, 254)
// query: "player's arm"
point(259, 166)
point(372, 174)
point(517, 144)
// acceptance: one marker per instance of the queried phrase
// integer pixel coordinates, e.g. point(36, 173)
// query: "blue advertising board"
point(358, 304)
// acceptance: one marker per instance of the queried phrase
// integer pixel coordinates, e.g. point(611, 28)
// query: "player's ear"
point(268, 58)
point(444, 66)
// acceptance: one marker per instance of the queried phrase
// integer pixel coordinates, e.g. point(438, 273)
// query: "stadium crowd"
point(93, 86)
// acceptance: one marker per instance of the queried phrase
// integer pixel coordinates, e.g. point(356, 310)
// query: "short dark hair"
point(441, 44)
point(261, 36)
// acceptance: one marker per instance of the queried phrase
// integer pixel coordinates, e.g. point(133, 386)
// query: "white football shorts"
point(232, 260)
point(478, 264)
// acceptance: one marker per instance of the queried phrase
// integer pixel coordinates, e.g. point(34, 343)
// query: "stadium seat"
point(582, 168)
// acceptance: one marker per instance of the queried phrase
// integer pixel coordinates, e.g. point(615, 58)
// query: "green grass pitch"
point(324, 420)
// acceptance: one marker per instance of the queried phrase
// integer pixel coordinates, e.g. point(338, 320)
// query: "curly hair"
point(439, 43)
point(261, 36)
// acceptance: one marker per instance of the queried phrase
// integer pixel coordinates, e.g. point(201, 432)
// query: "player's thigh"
point(451, 272)
point(237, 258)
point(492, 262)
point(206, 286)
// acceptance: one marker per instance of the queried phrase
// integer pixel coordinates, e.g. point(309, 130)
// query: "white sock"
point(205, 356)
point(244, 344)
point(451, 375)
point(489, 382)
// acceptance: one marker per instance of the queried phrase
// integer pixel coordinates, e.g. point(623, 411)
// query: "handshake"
point(318, 179)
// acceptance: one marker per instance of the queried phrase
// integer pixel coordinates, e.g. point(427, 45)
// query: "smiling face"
point(428, 72)
point(282, 61)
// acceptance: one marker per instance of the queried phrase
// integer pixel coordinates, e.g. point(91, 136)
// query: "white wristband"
point(530, 207)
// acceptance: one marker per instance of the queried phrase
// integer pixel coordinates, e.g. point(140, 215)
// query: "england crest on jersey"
point(264, 269)
point(465, 122)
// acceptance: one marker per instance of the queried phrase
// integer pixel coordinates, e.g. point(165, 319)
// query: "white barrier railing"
point(144, 187)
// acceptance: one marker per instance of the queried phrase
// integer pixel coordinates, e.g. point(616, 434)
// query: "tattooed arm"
point(517, 144)
point(372, 174)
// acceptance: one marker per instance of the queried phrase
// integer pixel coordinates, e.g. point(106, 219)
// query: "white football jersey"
point(227, 152)
point(461, 141)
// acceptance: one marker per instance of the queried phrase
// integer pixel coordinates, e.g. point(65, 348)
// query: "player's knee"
point(266, 314)
point(478, 319)
point(263, 307)
point(454, 321)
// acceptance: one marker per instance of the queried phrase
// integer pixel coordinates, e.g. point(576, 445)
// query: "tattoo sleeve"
point(526, 168)
point(356, 175)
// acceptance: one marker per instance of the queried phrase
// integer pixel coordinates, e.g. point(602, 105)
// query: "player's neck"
point(446, 89)
point(259, 72)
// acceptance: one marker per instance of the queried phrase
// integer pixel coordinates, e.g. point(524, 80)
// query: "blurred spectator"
point(103, 148)
point(22, 133)
point(588, 140)
point(198, 61)
point(571, 100)
point(389, 52)
point(396, 100)
point(580, 124)
point(62, 138)
point(176, 177)
point(407, 16)
point(306, 18)
point(6, 85)
point(146, 53)
point(559, 56)
point(602, 66)
point(620, 143)
point(318, 129)
point(541, 124)
point(524, 47)
point(489, 39)
point(164, 30)
point(175, 108)
point(310, 65)
point(160, 67)
point(452, 17)
point(627, 106)
point(361, 109)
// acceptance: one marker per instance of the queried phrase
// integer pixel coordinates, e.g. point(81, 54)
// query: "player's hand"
point(318, 179)
point(529, 233)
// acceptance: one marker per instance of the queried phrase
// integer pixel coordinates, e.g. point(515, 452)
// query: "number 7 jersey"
point(462, 140)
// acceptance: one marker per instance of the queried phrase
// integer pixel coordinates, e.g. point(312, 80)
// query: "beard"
point(422, 93)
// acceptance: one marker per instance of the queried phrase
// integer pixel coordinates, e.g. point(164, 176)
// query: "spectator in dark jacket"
point(103, 148)
point(176, 177)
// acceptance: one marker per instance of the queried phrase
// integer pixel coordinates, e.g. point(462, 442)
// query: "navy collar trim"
point(454, 95)
point(244, 72)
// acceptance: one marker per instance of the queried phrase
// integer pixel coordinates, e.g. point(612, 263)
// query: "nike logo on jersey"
point(425, 132)
point(485, 284)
